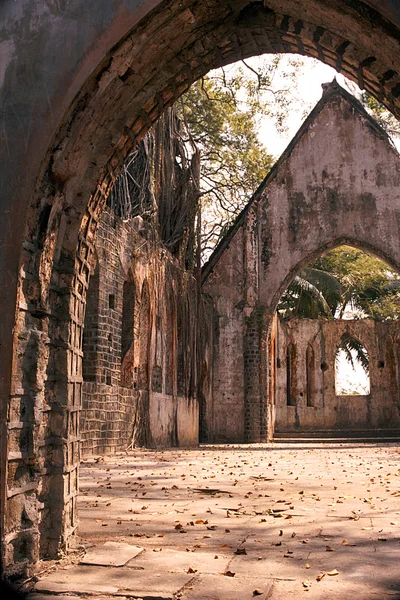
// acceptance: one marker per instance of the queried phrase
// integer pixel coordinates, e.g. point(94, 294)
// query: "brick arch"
point(112, 94)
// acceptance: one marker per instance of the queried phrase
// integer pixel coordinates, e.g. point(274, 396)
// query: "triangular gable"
point(331, 92)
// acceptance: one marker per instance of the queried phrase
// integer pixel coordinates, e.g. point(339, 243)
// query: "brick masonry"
point(136, 347)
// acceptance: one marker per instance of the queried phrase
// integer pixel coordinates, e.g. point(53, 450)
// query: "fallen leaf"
point(346, 543)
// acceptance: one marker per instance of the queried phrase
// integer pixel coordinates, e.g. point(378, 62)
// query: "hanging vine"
point(160, 183)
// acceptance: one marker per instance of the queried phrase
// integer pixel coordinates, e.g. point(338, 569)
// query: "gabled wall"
point(337, 182)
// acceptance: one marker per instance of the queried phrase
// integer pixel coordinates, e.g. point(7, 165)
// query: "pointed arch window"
point(310, 376)
point(290, 375)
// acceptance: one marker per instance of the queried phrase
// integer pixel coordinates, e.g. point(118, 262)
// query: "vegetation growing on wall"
point(201, 162)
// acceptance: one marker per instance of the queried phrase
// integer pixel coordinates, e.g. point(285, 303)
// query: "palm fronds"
point(353, 348)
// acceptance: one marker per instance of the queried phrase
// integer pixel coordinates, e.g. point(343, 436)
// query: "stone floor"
point(320, 521)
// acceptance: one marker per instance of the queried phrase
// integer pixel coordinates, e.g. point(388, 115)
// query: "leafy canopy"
point(222, 113)
point(344, 281)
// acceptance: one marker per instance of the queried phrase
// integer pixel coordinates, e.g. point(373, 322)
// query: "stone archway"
point(89, 88)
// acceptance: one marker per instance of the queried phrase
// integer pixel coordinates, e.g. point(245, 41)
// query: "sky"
point(310, 78)
point(350, 379)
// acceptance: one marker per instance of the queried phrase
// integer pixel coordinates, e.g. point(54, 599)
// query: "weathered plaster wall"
point(130, 388)
point(338, 182)
point(378, 410)
point(225, 401)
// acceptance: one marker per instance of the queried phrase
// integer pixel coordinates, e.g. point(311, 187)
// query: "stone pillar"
point(252, 380)
point(258, 415)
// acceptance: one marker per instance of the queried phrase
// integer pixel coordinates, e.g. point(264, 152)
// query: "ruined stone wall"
point(315, 406)
point(139, 363)
point(337, 182)
point(225, 400)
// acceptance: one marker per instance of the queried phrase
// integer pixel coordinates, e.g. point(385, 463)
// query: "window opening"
point(290, 356)
point(351, 368)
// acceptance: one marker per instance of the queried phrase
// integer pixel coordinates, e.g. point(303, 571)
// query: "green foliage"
point(385, 118)
point(348, 279)
point(222, 113)
point(312, 294)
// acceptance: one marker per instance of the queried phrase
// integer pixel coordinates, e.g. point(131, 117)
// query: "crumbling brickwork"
point(139, 354)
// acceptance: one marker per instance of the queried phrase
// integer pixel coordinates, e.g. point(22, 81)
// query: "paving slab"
point(89, 587)
point(52, 597)
point(111, 554)
point(113, 580)
point(328, 589)
point(178, 561)
point(221, 587)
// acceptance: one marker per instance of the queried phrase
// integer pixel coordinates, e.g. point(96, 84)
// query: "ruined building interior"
point(112, 338)
point(150, 376)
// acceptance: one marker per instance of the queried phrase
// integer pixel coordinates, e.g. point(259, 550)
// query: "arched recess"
point(128, 375)
point(290, 375)
point(139, 61)
point(310, 376)
point(145, 328)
